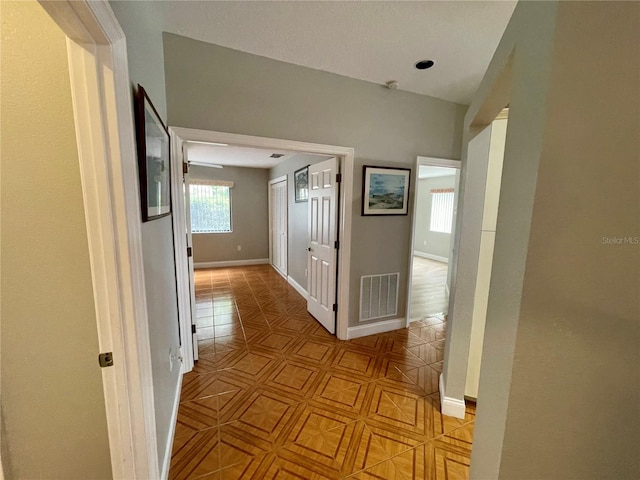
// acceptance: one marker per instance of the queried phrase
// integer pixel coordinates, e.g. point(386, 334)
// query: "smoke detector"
point(392, 84)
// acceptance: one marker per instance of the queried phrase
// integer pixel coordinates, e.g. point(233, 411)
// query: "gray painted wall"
point(53, 411)
point(563, 320)
point(142, 23)
point(426, 241)
point(298, 221)
point(215, 88)
point(249, 216)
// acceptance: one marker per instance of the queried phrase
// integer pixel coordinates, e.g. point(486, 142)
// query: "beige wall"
point(53, 411)
point(215, 88)
point(249, 216)
point(579, 332)
point(559, 393)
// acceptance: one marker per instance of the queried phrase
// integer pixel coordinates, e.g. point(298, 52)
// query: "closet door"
point(278, 225)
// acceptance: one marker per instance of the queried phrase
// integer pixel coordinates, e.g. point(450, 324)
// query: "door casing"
point(102, 105)
point(435, 162)
point(180, 135)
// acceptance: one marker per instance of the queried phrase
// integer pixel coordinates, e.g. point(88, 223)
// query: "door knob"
point(308, 249)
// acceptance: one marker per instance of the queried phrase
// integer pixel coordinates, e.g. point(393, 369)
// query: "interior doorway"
point(180, 139)
point(432, 233)
point(101, 93)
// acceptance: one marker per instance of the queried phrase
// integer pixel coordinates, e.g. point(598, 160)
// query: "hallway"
point(273, 395)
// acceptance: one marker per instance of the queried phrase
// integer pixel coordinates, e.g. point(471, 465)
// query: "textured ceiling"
point(233, 156)
point(376, 41)
point(427, 171)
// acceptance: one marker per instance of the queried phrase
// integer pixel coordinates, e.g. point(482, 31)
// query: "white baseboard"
point(232, 263)
point(298, 287)
point(377, 327)
point(166, 462)
point(452, 407)
point(437, 258)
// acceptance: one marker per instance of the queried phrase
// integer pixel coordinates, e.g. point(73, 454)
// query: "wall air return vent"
point(378, 296)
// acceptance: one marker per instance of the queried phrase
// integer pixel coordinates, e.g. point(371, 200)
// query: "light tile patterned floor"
point(275, 396)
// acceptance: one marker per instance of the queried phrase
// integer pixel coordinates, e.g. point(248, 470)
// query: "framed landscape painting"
point(301, 184)
point(385, 190)
point(153, 160)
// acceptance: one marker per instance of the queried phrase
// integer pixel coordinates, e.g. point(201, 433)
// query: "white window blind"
point(210, 206)
point(441, 210)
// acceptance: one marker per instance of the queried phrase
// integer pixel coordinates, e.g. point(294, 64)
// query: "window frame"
point(212, 184)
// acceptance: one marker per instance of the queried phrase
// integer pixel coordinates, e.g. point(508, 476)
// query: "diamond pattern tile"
point(342, 393)
point(275, 396)
point(356, 363)
point(294, 379)
point(312, 421)
point(313, 351)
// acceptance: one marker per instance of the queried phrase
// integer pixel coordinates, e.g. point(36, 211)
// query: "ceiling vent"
point(277, 155)
point(424, 64)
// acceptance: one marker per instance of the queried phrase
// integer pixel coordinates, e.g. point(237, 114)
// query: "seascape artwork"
point(386, 191)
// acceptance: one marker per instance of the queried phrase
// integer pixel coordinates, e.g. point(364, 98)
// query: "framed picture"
point(385, 190)
point(301, 184)
point(153, 160)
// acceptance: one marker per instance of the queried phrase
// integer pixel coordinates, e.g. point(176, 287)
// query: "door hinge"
point(336, 244)
point(193, 328)
point(335, 307)
point(189, 252)
point(105, 359)
point(185, 168)
point(338, 177)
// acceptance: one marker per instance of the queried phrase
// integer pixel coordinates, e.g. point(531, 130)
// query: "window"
point(441, 210)
point(210, 206)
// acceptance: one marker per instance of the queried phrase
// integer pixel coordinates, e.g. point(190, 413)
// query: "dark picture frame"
point(385, 190)
point(154, 159)
point(301, 184)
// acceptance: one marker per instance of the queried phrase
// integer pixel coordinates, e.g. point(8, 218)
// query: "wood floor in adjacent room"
point(276, 396)
point(428, 287)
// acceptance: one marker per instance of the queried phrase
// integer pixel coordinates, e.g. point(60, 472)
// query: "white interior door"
point(278, 229)
point(322, 251)
point(192, 288)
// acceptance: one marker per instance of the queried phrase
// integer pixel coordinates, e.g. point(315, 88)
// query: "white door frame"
point(345, 154)
point(284, 179)
point(183, 274)
point(187, 309)
point(433, 162)
point(103, 112)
